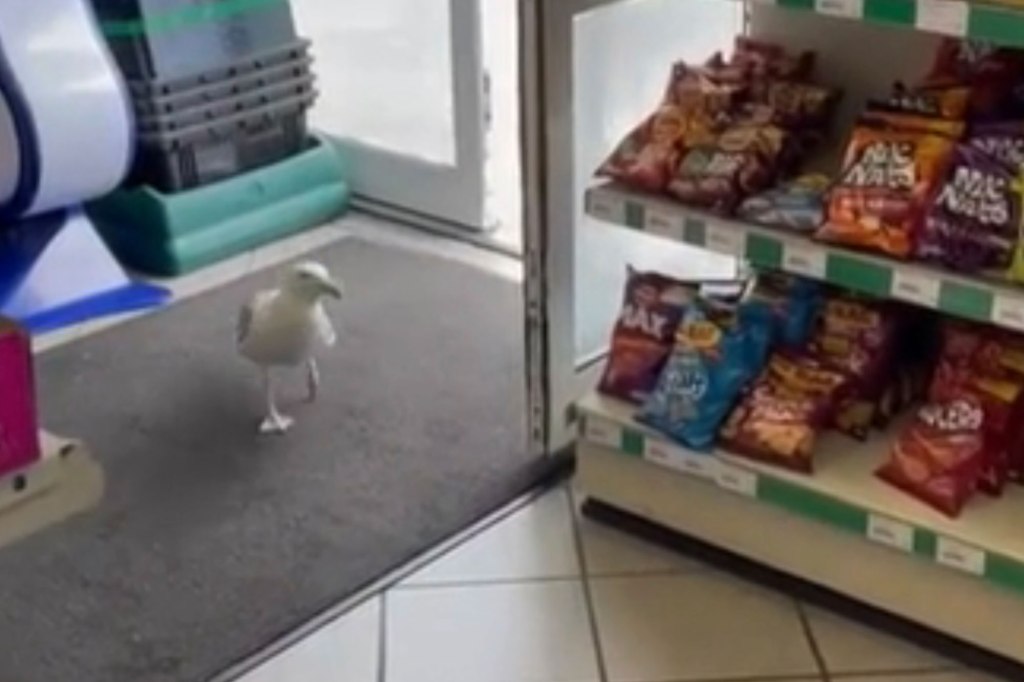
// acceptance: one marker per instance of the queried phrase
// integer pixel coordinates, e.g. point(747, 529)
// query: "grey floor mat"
point(212, 541)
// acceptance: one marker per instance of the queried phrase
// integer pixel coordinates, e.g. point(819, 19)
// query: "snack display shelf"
point(843, 493)
point(65, 481)
point(990, 22)
point(842, 531)
point(984, 300)
point(895, 584)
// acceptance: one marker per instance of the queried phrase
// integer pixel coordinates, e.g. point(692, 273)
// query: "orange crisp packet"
point(879, 200)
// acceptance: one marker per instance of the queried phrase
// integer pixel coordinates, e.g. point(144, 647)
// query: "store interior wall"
point(839, 61)
point(622, 56)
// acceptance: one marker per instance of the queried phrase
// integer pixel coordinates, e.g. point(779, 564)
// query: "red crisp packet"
point(939, 458)
point(644, 334)
point(646, 158)
point(988, 364)
point(770, 60)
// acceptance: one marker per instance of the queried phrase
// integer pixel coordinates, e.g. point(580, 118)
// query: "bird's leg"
point(312, 379)
point(275, 422)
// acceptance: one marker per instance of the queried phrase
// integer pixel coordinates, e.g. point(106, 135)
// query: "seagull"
point(282, 327)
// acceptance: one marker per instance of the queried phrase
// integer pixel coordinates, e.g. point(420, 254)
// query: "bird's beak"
point(333, 289)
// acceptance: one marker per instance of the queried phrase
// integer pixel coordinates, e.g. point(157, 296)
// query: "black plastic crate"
point(152, 44)
point(211, 112)
point(286, 54)
point(202, 154)
point(147, 105)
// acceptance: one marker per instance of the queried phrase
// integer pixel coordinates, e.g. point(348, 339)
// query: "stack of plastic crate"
point(219, 87)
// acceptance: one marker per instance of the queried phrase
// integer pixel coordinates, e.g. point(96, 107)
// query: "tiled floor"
point(548, 596)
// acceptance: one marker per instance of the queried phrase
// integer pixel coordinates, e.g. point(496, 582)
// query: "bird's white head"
point(311, 281)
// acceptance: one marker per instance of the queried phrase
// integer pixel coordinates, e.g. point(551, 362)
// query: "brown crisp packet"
point(718, 176)
point(858, 337)
point(779, 420)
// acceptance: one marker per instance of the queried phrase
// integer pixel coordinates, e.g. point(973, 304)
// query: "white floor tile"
point(344, 651)
point(534, 543)
point(528, 632)
point(849, 647)
point(697, 626)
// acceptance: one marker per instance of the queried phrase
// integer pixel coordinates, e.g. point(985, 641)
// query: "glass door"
point(602, 66)
point(402, 89)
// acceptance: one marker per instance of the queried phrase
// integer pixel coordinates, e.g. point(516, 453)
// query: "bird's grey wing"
point(324, 327)
point(248, 313)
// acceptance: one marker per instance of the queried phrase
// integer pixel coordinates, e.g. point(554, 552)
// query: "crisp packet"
point(778, 421)
point(797, 205)
point(972, 223)
point(652, 307)
point(715, 355)
point(879, 200)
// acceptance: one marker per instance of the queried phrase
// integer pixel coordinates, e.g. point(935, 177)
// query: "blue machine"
point(66, 137)
point(56, 272)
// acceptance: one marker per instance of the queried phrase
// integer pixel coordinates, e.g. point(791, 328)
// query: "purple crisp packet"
point(1004, 141)
point(972, 221)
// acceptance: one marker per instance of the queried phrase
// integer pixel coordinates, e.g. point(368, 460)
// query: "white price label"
point(894, 534)
point(724, 239)
point(849, 9)
point(919, 288)
point(662, 453)
point(943, 16)
point(679, 459)
point(701, 466)
point(663, 223)
point(607, 207)
point(601, 432)
point(1008, 311)
point(737, 480)
point(955, 554)
point(804, 259)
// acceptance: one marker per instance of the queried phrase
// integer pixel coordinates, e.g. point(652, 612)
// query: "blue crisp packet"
point(794, 303)
point(714, 358)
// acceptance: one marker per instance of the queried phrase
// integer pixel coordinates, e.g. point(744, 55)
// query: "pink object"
point(19, 430)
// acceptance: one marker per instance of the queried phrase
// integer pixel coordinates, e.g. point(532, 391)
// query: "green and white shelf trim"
point(983, 300)
point(800, 495)
point(989, 22)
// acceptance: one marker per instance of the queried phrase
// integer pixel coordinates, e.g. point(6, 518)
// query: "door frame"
point(402, 184)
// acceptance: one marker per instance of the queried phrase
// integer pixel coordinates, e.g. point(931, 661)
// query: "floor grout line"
point(382, 645)
point(380, 586)
point(588, 594)
point(748, 678)
point(812, 642)
point(497, 582)
point(922, 674)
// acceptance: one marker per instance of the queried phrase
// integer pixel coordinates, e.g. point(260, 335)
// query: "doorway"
point(421, 95)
